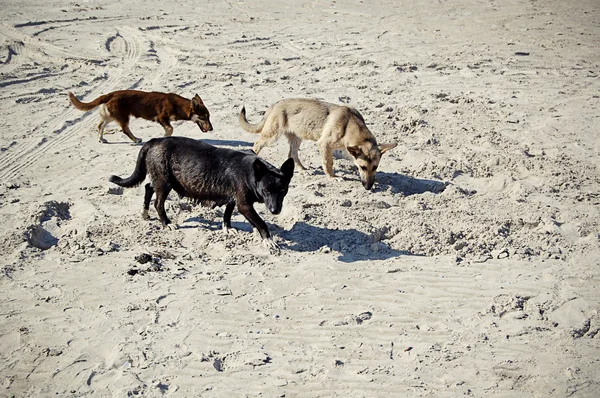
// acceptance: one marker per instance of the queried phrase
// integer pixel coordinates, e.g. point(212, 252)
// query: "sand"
point(471, 268)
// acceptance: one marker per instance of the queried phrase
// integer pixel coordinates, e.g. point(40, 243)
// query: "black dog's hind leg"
point(162, 191)
point(227, 218)
point(147, 198)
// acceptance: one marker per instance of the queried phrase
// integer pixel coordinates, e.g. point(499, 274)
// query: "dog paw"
point(145, 215)
point(103, 141)
point(172, 227)
point(270, 244)
point(230, 231)
point(137, 141)
point(335, 178)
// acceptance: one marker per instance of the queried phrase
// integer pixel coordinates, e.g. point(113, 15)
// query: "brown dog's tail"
point(88, 106)
point(251, 128)
point(139, 174)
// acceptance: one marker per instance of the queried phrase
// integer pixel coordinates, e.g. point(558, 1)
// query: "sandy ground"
point(471, 268)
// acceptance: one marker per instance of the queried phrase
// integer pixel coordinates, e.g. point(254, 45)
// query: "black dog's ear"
point(354, 151)
point(287, 168)
point(196, 100)
point(260, 169)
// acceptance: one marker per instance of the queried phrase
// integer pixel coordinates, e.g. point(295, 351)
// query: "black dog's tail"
point(139, 174)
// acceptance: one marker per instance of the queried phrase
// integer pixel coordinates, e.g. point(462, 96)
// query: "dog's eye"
point(374, 168)
point(363, 168)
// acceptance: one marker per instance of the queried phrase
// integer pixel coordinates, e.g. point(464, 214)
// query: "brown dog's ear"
point(386, 147)
point(196, 100)
point(287, 168)
point(260, 169)
point(355, 151)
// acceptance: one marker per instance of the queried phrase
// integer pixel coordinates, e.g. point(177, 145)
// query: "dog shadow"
point(228, 143)
point(124, 142)
point(351, 243)
point(398, 183)
point(395, 182)
point(213, 225)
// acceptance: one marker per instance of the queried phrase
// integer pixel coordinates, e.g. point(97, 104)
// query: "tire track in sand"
point(34, 46)
point(32, 150)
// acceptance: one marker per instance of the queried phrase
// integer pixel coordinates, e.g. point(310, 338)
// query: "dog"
point(158, 107)
point(210, 175)
point(331, 126)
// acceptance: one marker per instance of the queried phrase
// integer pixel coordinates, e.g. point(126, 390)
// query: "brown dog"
point(332, 126)
point(158, 107)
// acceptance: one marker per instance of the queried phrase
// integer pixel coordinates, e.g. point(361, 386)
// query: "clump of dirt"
point(44, 230)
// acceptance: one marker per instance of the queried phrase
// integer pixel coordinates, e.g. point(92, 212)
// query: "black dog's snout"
point(275, 210)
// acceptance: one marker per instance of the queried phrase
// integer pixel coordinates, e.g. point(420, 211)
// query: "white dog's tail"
point(251, 128)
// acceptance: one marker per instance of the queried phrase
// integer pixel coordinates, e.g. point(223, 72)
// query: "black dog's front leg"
point(252, 216)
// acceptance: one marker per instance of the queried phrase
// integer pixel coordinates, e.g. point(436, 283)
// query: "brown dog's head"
point(199, 114)
point(367, 157)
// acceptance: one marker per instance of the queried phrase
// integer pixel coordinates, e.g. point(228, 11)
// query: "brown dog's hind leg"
point(295, 142)
point(105, 118)
point(101, 126)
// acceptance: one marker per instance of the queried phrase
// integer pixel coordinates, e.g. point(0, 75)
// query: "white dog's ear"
point(196, 100)
point(355, 151)
point(386, 147)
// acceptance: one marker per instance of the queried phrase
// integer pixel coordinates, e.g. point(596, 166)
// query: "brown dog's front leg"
point(128, 133)
point(252, 216)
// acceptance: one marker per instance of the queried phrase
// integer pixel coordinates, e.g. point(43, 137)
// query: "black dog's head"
point(272, 184)
point(199, 114)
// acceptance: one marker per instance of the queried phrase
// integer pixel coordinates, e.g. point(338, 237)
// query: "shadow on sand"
point(352, 244)
point(229, 143)
point(395, 182)
point(214, 224)
point(305, 238)
point(399, 183)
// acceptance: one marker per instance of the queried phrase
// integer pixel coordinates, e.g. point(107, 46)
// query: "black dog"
point(209, 174)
